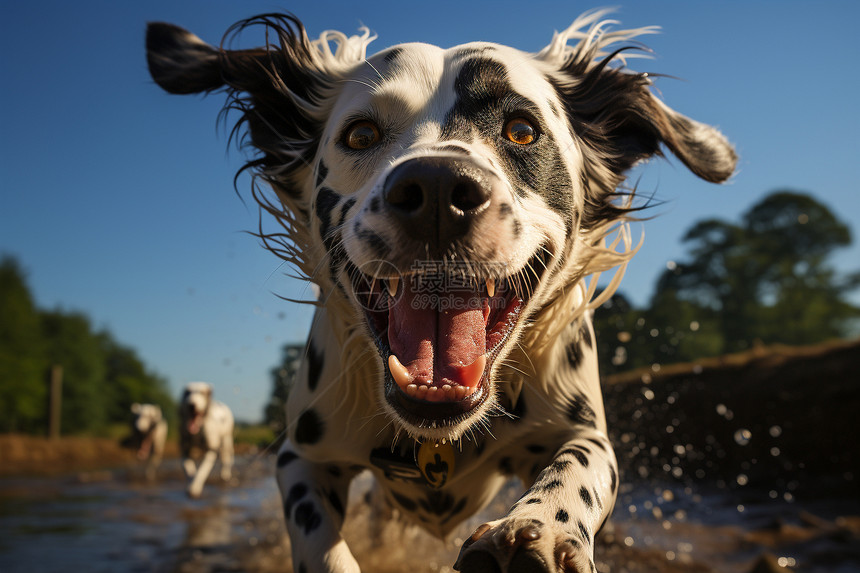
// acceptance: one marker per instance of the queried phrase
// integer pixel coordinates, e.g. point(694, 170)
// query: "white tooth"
point(491, 287)
point(412, 390)
point(392, 285)
point(399, 372)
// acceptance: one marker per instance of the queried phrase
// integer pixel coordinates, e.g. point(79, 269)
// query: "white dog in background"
point(150, 428)
point(208, 426)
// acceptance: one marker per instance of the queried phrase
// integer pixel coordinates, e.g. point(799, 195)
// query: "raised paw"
point(517, 545)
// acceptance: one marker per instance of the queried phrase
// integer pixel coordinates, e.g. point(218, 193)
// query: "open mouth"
point(439, 330)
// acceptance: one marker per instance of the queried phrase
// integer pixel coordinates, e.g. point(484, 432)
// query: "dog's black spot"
point(561, 516)
point(559, 466)
point(315, 366)
point(600, 445)
point(472, 52)
point(505, 209)
point(536, 448)
point(336, 503)
point(392, 55)
point(374, 241)
point(296, 493)
point(554, 109)
point(586, 497)
point(585, 336)
point(322, 173)
point(286, 457)
point(347, 205)
point(309, 428)
point(534, 500)
point(579, 412)
point(580, 456)
point(574, 353)
point(518, 229)
point(584, 531)
point(597, 499)
point(326, 201)
point(404, 502)
point(307, 517)
point(613, 477)
point(437, 503)
point(374, 204)
point(554, 484)
point(456, 509)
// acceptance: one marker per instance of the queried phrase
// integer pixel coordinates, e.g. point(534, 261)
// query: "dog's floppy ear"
point(278, 88)
point(180, 62)
point(618, 117)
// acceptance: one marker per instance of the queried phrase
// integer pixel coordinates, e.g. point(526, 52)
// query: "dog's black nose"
point(437, 199)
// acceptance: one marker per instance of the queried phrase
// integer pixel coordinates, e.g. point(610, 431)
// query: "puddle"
point(114, 521)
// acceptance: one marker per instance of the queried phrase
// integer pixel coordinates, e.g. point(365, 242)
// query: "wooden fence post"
point(55, 402)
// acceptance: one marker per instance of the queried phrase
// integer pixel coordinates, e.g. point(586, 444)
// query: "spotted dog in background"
point(207, 426)
point(449, 205)
point(150, 433)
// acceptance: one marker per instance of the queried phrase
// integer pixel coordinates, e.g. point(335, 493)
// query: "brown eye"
point(520, 131)
point(362, 135)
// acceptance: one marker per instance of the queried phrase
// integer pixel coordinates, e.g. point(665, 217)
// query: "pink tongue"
point(435, 335)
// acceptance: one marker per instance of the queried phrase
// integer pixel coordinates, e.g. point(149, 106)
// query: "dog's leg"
point(315, 498)
point(227, 458)
point(552, 527)
point(195, 488)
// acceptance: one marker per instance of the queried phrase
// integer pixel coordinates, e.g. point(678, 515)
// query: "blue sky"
point(118, 198)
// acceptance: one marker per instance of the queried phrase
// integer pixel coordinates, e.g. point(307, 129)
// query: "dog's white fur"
point(206, 425)
point(151, 428)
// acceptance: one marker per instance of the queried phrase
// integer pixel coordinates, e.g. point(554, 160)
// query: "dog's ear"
point(278, 88)
point(617, 116)
point(180, 62)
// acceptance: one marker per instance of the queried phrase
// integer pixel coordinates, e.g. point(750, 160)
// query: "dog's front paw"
point(523, 545)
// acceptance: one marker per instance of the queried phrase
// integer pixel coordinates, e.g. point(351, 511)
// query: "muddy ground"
point(743, 464)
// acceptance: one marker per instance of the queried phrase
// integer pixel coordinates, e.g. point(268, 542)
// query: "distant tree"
point(766, 278)
point(128, 381)
point(23, 375)
point(283, 378)
point(71, 344)
point(101, 377)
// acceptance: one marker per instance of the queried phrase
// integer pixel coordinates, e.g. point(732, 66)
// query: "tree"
point(766, 278)
point(23, 390)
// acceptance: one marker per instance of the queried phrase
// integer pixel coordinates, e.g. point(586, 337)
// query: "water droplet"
point(721, 409)
point(775, 431)
point(742, 480)
point(742, 436)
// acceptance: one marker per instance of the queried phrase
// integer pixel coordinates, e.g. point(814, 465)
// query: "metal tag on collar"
point(436, 462)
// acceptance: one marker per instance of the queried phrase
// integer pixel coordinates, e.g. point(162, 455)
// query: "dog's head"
point(441, 199)
point(195, 405)
point(146, 417)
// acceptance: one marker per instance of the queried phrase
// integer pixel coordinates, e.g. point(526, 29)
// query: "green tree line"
point(101, 377)
point(765, 279)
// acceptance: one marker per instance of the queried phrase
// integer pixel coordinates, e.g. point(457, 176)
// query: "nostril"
point(467, 196)
point(408, 197)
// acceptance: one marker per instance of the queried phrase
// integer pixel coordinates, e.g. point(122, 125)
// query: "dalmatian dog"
point(453, 207)
point(207, 426)
point(150, 430)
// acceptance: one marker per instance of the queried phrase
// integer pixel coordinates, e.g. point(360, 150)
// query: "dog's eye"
point(361, 135)
point(521, 131)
